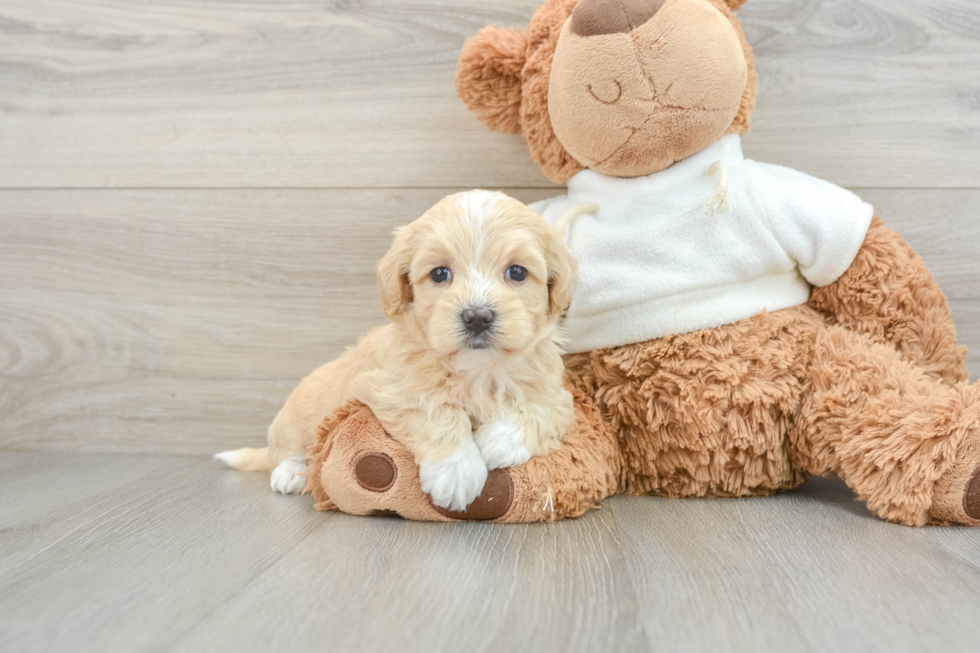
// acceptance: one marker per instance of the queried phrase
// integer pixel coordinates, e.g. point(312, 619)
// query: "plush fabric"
point(489, 77)
point(865, 380)
point(653, 261)
point(534, 119)
point(889, 295)
point(745, 409)
point(536, 128)
point(567, 483)
point(629, 103)
point(597, 17)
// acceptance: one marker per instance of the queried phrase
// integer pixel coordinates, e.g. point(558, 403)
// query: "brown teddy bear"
point(737, 325)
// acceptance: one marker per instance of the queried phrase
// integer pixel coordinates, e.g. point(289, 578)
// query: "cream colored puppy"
point(468, 374)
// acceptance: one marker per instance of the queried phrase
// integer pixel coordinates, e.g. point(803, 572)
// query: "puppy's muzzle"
point(477, 320)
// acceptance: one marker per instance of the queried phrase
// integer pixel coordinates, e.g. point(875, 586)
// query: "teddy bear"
point(737, 325)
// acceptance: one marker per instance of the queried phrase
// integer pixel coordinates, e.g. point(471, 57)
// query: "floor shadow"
point(833, 491)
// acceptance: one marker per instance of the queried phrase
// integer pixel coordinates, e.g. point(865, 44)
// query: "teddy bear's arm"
point(889, 295)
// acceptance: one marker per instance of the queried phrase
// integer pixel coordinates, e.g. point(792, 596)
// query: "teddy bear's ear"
point(735, 4)
point(489, 77)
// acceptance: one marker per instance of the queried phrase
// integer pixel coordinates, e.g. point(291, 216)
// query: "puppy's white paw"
point(502, 444)
point(288, 477)
point(455, 482)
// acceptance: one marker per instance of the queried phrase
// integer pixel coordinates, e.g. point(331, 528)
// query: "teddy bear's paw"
point(289, 477)
point(453, 483)
point(502, 444)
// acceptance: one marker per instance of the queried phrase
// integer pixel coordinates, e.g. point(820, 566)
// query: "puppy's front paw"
point(502, 444)
point(289, 476)
point(455, 482)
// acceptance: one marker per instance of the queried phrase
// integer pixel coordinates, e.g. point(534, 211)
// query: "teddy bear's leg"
point(356, 468)
point(906, 442)
point(705, 413)
point(889, 295)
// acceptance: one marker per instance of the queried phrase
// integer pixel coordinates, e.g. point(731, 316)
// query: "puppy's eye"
point(440, 275)
point(516, 273)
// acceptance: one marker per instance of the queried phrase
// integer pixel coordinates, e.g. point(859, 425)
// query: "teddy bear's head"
point(623, 87)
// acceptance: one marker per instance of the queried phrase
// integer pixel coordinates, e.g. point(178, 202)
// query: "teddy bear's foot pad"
point(971, 498)
point(375, 472)
point(493, 502)
point(957, 499)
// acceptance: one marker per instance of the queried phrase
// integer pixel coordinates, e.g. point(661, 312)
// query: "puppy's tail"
point(253, 460)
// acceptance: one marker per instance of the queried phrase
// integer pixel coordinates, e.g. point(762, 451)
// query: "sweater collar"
point(591, 186)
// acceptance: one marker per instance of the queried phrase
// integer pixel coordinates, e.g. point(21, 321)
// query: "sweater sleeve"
point(818, 224)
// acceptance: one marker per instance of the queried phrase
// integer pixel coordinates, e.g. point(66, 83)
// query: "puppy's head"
point(479, 274)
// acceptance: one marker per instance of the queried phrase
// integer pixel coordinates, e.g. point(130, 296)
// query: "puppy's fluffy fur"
point(462, 402)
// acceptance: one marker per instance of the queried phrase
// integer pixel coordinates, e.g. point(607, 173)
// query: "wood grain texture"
point(179, 321)
point(181, 555)
point(845, 581)
point(176, 93)
point(172, 321)
point(126, 562)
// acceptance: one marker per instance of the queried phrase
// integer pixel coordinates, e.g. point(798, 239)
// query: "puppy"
point(468, 374)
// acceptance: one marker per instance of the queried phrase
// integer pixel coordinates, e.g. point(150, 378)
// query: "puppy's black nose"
point(477, 320)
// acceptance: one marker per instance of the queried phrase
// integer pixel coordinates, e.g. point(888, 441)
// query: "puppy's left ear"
point(561, 271)
point(393, 275)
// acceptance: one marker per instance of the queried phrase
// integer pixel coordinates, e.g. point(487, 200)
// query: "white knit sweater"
point(653, 261)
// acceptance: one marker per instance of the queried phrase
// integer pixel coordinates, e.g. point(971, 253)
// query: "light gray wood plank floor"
point(108, 552)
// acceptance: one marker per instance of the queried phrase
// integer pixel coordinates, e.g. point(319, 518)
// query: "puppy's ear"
point(735, 4)
point(561, 271)
point(393, 274)
point(489, 77)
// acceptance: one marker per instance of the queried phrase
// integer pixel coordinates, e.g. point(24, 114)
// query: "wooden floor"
point(192, 199)
point(116, 552)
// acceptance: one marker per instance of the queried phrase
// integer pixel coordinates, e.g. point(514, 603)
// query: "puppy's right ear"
point(490, 76)
point(393, 275)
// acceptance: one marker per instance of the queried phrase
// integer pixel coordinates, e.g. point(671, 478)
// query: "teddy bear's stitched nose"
point(594, 17)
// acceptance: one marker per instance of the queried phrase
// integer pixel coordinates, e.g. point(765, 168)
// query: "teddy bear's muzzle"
point(595, 17)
